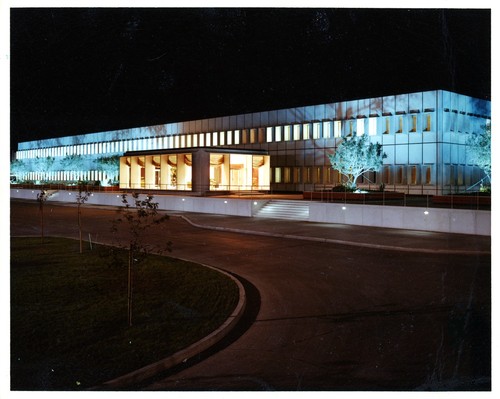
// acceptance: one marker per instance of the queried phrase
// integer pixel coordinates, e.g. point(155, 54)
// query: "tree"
point(18, 168)
point(137, 218)
point(479, 150)
point(41, 197)
point(109, 165)
point(81, 198)
point(355, 156)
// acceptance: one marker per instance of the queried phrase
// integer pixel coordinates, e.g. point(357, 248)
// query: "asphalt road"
point(324, 316)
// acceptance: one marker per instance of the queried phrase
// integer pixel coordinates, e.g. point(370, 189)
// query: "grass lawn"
point(69, 312)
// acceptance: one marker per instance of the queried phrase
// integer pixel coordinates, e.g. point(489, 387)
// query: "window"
point(236, 137)
point(189, 140)
point(351, 123)
point(269, 134)
point(229, 137)
point(195, 140)
point(372, 126)
point(296, 175)
point(400, 175)
point(222, 138)
point(287, 133)
point(452, 179)
point(183, 141)
point(318, 174)
point(277, 133)
point(327, 129)
point(460, 175)
point(287, 175)
point(400, 124)
point(428, 121)
point(328, 175)
point(413, 121)
point(176, 141)
point(306, 131)
point(202, 139)
point(360, 127)
point(208, 141)
point(296, 132)
point(307, 175)
point(413, 175)
point(316, 130)
point(244, 136)
point(262, 135)
point(453, 118)
point(253, 136)
point(215, 137)
point(277, 175)
point(387, 126)
point(387, 174)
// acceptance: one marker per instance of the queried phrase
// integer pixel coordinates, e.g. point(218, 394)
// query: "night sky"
point(87, 70)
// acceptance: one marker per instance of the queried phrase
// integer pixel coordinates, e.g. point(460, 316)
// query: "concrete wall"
point(461, 221)
point(221, 206)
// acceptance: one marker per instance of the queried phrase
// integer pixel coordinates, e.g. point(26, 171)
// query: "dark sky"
point(86, 70)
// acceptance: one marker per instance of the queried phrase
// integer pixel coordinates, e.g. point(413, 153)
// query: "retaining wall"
point(462, 221)
point(221, 206)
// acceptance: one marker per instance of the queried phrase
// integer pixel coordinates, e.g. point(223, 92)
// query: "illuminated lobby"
point(196, 170)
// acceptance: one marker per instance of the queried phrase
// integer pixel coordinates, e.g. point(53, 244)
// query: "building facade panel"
point(423, 134)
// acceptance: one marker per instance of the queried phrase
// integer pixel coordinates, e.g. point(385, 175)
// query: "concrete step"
point(284, 209)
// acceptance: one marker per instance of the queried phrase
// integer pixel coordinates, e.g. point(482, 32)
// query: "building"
point(423, 134)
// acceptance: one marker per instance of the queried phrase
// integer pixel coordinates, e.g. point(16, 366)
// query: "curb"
point(335, 241)
point(183, 355)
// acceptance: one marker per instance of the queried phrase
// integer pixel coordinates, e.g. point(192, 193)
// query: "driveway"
point(326, 316)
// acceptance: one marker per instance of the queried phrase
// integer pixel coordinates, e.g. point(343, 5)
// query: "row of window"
point(57, 176)
point(389, 175)
point(394, 124)
point(400, 174)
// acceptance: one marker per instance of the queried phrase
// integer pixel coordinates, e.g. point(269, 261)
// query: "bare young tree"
point(135, 219)
point(355, 156)
point(41, 197)
point(82, 197)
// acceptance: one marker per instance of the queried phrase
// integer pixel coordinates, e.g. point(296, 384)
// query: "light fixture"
point(426, 212)
point(184, 199)
point(344, 208)
point(255, 203)
point(225, 202)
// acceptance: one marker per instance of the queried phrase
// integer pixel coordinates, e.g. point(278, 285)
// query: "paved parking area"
point(410, 311)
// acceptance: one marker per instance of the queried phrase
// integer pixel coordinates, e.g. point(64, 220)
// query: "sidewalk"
point(357, 236)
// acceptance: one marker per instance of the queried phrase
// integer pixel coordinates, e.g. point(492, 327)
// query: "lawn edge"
point(182, 356)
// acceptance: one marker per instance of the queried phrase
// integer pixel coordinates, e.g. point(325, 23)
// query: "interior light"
point(426, 212)
point(225, 202)
point(344, 208)
point(183, 199)
point(255, 203)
